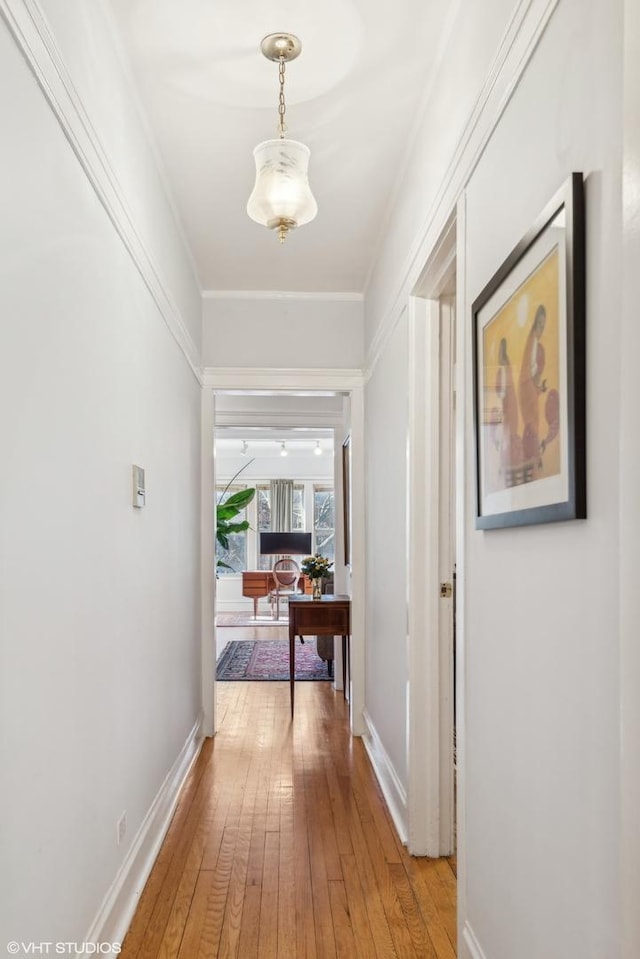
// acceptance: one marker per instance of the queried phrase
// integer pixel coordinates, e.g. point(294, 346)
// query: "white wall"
point(466, 56)
point(386, 415)
point(542, 774)
point(283, 331)
point(99, 623)
point(88, 41)
point(542, 771)
point(629, 499)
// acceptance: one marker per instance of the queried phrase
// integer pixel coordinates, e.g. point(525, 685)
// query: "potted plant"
point(316, 568)
point(227, 511)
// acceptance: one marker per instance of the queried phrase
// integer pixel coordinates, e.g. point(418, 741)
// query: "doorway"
point(432, 555)
point(260, 387)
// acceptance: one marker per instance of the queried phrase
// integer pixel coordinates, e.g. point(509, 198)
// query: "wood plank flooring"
point(281, 846)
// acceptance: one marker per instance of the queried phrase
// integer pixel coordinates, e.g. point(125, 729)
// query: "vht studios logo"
point(64, 948)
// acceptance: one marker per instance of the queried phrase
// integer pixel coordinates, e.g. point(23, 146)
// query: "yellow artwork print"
point(521, 370)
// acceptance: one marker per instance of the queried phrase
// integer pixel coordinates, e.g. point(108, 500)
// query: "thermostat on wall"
point(138, 487)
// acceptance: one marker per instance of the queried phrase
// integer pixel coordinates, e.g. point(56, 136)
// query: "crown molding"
point(247, 378)
point(280, 295)
point(28, 26)
point(524, 31)
point(277, 421)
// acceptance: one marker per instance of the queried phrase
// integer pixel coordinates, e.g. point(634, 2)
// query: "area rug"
point(268, 659)
point(244, 619)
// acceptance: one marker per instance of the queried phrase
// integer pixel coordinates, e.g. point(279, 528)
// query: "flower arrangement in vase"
point(316, 568)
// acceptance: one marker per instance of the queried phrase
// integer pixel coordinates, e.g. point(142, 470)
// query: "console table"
point(258, 583)
point(327, 616)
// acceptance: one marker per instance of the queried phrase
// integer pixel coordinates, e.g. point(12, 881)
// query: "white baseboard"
point(470, 945)
point(120, 903)
point(392, 789)
point(242, 606)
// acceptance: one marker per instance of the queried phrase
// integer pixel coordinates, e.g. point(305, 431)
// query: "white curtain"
point(281, 493)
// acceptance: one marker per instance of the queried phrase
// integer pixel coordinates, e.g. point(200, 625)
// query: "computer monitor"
point(285, 544)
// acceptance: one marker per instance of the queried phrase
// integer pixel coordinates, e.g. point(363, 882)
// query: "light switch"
point(138, 487)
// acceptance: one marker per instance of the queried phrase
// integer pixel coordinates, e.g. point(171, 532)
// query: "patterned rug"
point(268, 659)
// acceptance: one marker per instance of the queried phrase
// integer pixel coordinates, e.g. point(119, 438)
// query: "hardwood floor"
point(281, 846)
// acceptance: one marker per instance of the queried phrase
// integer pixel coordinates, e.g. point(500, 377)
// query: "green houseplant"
point(227, 511)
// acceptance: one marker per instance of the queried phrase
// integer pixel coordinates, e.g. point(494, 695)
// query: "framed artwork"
point(529, 374)
point(346, 498)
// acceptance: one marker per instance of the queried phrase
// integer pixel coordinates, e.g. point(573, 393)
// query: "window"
point(264, 517)
point(324, 521)
point(313, 509)
point(264, 524)
point(236, 555)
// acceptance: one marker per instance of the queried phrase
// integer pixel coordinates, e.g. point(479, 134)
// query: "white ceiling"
point(210, 96)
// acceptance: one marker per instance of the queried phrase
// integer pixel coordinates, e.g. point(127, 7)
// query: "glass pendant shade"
point(282, 198)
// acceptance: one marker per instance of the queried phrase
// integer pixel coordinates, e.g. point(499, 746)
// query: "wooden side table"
point(327, 616)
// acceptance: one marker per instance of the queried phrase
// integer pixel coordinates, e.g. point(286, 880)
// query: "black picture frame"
point(529, 322)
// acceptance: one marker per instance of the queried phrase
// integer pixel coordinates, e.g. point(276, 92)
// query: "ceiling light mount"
point(281, 199)
point(281, 45)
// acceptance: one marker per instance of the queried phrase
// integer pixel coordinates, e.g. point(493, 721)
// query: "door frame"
point(284, 381)
point(430, 758)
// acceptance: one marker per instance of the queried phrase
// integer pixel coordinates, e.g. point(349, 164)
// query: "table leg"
point(255, 607)
point(292, 663)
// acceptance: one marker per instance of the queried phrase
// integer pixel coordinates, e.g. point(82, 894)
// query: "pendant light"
point(281, 199)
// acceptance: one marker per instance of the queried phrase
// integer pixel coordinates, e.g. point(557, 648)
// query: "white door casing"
point(207, 561)
point(430, 544)
point(286, 381)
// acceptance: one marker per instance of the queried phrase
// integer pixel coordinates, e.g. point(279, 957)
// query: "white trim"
point(392, 789)
point(463, 416)
point(253, 419)
point(356, 690)
point(446, 569)
point(470, 946)
point(423, 728)
point(244, 605)
point(248, 378)
point(441, 266)
point(521, 38)
point(120, 903)
point(30, 30)
point(382, 337)
point(133, 94)
point(280, 295)
point(322, 380)
point(629, 505)
point(436, 58)
point(207, 561)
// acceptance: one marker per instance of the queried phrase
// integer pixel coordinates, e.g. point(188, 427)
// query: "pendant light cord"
point(282, 108)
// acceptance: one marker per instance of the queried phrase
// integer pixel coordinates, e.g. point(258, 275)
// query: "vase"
point(316, 588)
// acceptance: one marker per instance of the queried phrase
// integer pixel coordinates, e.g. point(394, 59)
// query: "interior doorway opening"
point(432, 555)
point(292, 415)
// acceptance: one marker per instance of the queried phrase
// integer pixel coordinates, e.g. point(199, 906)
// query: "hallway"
point(281, 846)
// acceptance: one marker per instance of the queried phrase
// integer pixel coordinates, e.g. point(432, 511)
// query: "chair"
point(286, 574)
